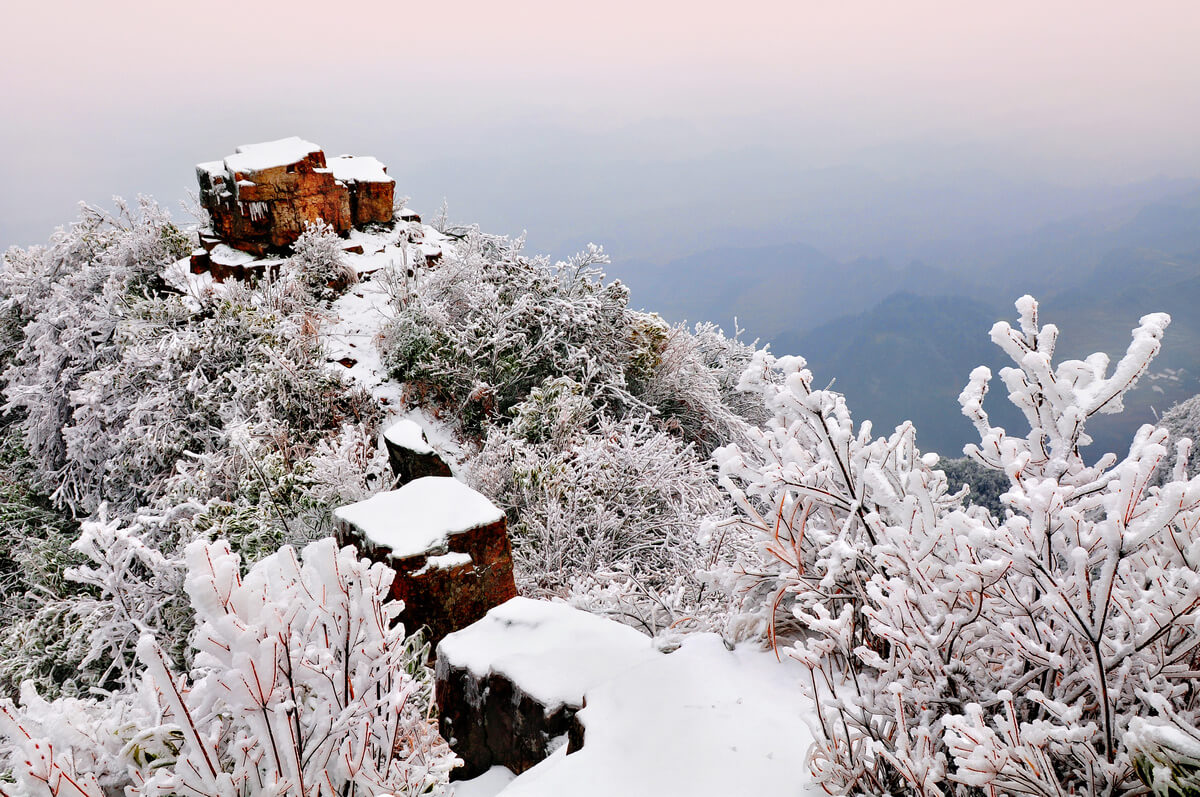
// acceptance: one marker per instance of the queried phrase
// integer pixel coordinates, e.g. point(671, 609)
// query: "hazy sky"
point(563, 118)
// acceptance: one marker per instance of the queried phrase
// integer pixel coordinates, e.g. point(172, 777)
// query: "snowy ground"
point(702, 720)
point(352, 330)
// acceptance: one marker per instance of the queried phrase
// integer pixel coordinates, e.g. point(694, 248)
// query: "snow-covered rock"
point(701, 721)
point(509, 686)
point(411, 457)
point(418, 519)
point(261, 197)
point(449, 547)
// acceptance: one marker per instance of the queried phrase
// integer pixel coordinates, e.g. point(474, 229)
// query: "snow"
point(270, 154)
point(446, 561)
point(552, 652)
point(196, 288)
point(226, 255)
point(700, 721)
point(214, 169)
point(352, 329)
point(362, 169)
point(408, 434)
point(419, 517)
point(489, 784)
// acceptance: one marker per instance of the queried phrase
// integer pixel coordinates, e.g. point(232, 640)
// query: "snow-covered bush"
point(1182, 420)
point(596, 420)
point(607, 512)
point(690, 378)
point(319, 262)
point(112, 421)
point(488, 325)
point(301, 685)
point(985, 484)
point(185, 420)
point(63, 305)
point(485, 327)
point(953, 652)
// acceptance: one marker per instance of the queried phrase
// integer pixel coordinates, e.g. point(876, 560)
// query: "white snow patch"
point(408, 434)
point(489, 784)
point(700, 721)
point(446, 561)
point(225, 255)
point(270, 154)
point(551, 651)
point(352, 331)
point(362, 169)
point(420, 516)
point(214, 169)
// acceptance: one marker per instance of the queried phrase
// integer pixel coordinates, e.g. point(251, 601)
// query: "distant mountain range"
point(900, 341)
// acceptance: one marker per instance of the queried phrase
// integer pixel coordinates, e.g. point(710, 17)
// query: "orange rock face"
point(446, 598)
point(261, 197)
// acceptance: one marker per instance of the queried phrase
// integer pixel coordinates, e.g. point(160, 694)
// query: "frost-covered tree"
point(221, 415)
point(485, 327)
point(985, 485)
point(63, 305)
point(114, 381)
point(488, 325)
point(953, 652)
point(1182, 420)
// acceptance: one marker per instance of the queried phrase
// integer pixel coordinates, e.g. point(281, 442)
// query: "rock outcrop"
point(509, 686)
point(448, 545)
point(261, 197)
point(410, 456)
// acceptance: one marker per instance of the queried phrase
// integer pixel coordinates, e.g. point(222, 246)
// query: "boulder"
point(410, 456)
point(448, 545)
point(261, 197)
point(509, 686)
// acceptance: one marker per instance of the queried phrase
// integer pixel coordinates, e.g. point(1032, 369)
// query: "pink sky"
point(1086, 90)
point(1072, 64)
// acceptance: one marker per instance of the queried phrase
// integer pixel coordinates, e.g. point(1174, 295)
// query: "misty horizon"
point(872, 131)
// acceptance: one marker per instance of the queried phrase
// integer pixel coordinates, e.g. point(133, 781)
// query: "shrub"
point(301, 685)
point(953, 653)
point(608, 513)
point(318, 262)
